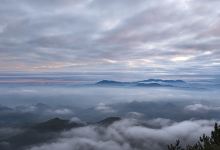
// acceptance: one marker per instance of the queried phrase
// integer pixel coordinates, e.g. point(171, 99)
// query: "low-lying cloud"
point(104, 108)
point(129, 134)
point(32, 113)
point(201, 108)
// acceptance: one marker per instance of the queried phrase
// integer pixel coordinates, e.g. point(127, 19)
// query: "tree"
point(204, 143)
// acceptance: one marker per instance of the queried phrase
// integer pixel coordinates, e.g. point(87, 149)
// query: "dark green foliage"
point(204, 143)
point(176, 146)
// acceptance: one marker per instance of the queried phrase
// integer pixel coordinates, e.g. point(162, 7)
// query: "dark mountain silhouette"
point(49, 131)
point(152, 85)
point(39, 133)
point(114, 83)
point(45, 132)
point(108, 121)
point(165, 81)
point(144, 83)
point(55, 125)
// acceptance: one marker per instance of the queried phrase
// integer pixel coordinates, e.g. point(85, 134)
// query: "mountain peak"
point(108, 82)
point(161, 80)
point(56, 124)
point(108, 121)
point(144, 83)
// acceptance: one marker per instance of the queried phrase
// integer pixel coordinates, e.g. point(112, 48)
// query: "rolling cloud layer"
point(145, 125)
point(128, 135)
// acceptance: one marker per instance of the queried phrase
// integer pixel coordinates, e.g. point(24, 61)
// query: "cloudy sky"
point(153, 36)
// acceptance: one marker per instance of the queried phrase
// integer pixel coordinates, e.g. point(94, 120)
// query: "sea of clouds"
point(130, 134)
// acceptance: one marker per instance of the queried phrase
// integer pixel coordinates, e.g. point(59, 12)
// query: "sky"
point(152, 36)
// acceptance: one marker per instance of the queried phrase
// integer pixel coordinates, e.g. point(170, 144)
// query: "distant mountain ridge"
point(161, 80)
point(108, 121)
point(144, 83)
point(56, 124)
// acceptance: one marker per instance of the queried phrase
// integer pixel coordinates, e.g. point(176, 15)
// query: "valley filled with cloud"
point(109, 74)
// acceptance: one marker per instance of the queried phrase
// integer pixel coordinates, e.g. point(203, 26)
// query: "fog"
point(127, 134)
point(91, 96)
point(152, 117)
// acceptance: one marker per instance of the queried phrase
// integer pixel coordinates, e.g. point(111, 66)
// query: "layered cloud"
point(129, 135)
point(201, 108)
point(102, 107)
point(31, 114)
point(163, 36)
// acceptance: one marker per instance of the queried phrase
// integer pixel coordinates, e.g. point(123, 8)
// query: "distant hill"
point(165, 81)
point(56, 124)
point(37, 134)
point(45, 132)
point(108, 121)
point(110, 82)
point(144, 83)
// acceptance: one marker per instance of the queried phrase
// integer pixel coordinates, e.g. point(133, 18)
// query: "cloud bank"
point(201, 108)
point(128, 134)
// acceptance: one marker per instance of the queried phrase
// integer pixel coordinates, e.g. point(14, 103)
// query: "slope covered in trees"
point(205, 142)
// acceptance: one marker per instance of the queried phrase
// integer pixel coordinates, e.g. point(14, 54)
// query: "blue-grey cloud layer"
point(164, 36)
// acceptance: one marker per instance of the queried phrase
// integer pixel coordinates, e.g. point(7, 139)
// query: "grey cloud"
point(6, 132)
point(42, 33)
point(30, 113)
point(201, 108)
point(160, 122)
point(128, 135)
point(102, 107)
point(77, 120)
point(135, 115)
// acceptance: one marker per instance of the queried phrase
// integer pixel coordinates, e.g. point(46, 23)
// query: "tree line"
point(205, 142)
